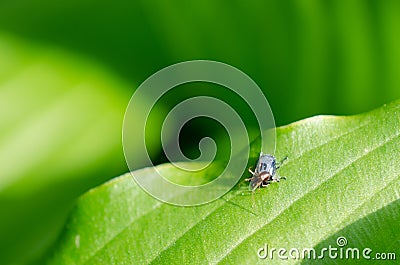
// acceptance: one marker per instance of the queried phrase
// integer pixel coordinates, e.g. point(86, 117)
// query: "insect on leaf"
point(330, 191)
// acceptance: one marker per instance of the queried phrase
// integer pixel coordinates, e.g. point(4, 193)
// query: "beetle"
point(265, 171)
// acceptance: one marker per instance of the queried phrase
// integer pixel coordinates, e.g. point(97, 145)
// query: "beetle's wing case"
point(267, 164)
point(255, 182)
point(257, 169)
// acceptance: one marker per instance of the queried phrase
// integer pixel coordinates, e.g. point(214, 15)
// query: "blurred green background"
point(68, 69)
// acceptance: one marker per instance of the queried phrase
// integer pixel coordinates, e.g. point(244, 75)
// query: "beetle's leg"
point(281, 162)
point(277, 179)
point(251, 171)
point(254, 189)
point(265, 183)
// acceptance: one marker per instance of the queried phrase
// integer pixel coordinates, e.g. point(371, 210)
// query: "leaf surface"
point(343, 177)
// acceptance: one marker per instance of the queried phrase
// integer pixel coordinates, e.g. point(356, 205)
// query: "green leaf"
point(60, 134)
point(343, 179)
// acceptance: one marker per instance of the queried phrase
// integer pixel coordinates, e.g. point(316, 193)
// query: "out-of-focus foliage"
point(60, 134)
point(310, 57)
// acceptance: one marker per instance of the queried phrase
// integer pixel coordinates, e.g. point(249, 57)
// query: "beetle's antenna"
point(281, 162)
